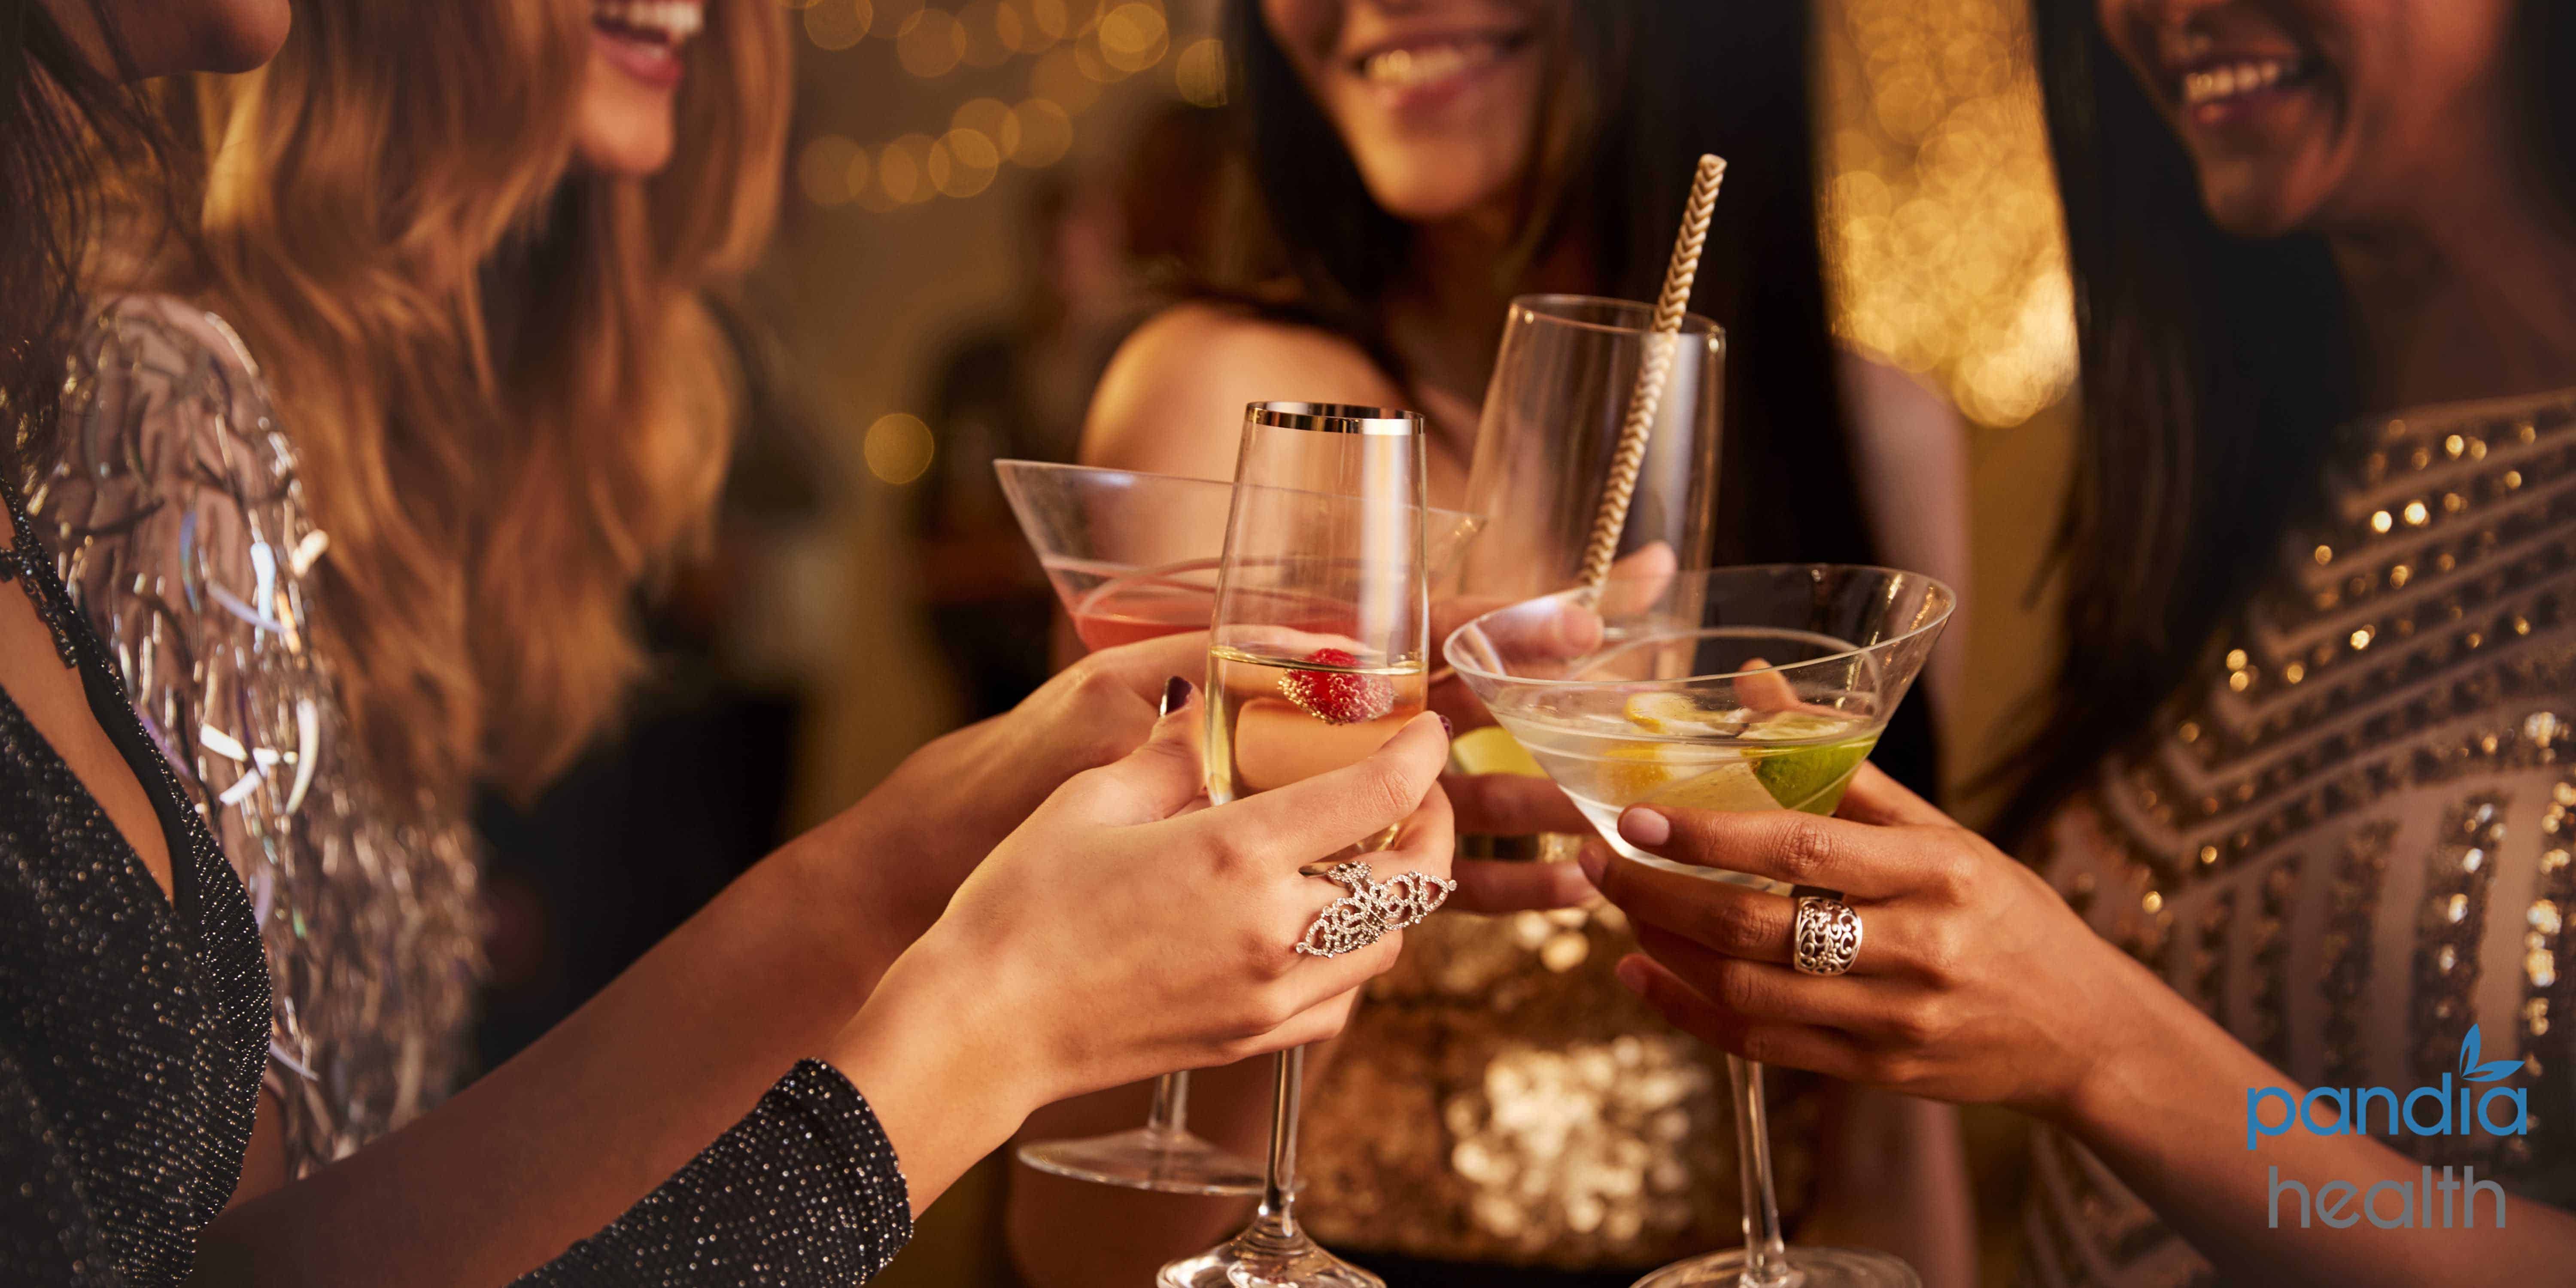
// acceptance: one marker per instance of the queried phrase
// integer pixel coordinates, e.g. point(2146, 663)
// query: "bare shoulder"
point(1172, 398)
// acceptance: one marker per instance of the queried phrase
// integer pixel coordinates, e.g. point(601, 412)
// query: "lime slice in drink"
point(1491, 751)
point(1812, 778)
point(1675, 713)
point(1733, 787)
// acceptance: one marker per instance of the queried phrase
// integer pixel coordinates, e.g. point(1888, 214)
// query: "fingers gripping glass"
point(1133, 556)
point(1317, 658)
point(1739, 689)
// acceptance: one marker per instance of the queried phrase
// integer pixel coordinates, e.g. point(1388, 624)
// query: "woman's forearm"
point(562, 1139)
point(2170, 1117)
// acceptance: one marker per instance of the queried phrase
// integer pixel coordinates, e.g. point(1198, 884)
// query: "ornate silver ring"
point(1826, 937)
point(1371, 909)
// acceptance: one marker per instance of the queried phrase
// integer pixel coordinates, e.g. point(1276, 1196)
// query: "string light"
point(1074, 49)
point(1941, 226)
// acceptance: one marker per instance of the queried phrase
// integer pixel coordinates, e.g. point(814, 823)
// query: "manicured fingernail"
point(1643, 826)
point(1447, 729)
point(1631, 973)
point(1176, 694)
point(1593, 860)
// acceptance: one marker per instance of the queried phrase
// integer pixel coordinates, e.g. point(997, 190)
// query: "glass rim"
point(1449, 652)
point(1335, 418)
point(1542, 307)
point(1076, 467)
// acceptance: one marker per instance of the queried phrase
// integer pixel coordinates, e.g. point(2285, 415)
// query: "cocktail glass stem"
point(1171, 1113)
point(1766, 1256)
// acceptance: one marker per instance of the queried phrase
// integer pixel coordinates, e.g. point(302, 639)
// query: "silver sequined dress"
point(182, 531)
point(2348, 839)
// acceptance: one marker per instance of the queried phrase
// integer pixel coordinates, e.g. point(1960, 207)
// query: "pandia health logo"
point(2465, 1106)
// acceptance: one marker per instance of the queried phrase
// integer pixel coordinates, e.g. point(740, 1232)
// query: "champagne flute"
point(1133, 555)
point(1317, 657)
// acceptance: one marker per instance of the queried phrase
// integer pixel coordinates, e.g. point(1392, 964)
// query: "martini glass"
point(1133, 556)
point(1737, 689)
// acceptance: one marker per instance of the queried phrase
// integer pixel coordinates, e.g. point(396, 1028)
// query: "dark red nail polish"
point(1176, 694)
point(1446, 729)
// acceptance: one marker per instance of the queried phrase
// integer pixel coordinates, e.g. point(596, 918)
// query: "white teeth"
point(1408, 67)
point(676, 20)
point(2229, 81)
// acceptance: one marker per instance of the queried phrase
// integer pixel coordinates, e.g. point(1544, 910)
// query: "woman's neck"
point(1446, 316)
point(2474, 300)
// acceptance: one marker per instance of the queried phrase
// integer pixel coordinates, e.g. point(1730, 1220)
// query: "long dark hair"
point(2215, 371)
point(1643, 88)
point(65, 124)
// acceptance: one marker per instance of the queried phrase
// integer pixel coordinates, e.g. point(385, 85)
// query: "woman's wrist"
point(2155, 1048)
point(947, 1061)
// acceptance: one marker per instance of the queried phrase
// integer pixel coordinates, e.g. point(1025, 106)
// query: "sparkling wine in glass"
point(1134, 556)
point(1317, 657)
point(1737, 689)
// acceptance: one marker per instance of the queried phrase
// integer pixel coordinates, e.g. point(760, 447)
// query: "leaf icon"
point(2469, 1051)
point(2495, 1071)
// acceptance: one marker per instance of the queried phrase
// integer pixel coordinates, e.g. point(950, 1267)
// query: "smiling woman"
point(627, 125)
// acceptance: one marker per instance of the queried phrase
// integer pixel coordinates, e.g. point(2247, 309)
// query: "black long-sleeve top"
point(133, 1029)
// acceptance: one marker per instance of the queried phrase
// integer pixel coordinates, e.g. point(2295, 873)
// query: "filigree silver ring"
point(1371, 909)
point(1825, 939)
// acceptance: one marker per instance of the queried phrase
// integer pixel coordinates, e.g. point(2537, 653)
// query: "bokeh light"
point(1199, 73)
point(898, 448)
point(902, 170)
point(892, 14)
point(992, 118)
point(1046, 134)
point(823, 170)
point(963, 163)
point(837, 24)
point(1133, 37)
point(1942, 236)
point(1057, 76)
point(981, 24)
point(930, 44)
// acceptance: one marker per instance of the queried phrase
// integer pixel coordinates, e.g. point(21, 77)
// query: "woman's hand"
point(1974, 982)
point(1128, 930)
point(900, 852)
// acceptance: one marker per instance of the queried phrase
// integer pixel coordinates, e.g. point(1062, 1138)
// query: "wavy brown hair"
point(499, 371)
point(69, 130)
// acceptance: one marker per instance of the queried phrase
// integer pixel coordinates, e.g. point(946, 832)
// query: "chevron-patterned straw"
point(1661, 343)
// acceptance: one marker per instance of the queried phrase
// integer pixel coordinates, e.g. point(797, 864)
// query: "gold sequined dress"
point(2349, 841)
point(1499, 1098)
point(181, 529)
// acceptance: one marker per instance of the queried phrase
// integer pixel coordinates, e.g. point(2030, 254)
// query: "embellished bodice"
point(1499, 1098)
point(2348, 840)
point(182, 531)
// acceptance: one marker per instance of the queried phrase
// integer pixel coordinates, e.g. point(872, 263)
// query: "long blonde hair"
point(509, 399)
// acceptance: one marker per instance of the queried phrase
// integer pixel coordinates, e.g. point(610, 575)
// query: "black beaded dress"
point(133, 1031)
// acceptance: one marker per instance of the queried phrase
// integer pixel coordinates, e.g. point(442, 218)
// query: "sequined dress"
point(133, 1030)
point(1500, 1101)
point(183, 533)
point(2348, 841)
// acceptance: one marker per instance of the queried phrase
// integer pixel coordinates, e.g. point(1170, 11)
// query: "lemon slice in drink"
point(1795, 726)
point(1732, 787)
point(1491, 751)
point(1812, 778)
point(1638, 770)
point(1666, 712)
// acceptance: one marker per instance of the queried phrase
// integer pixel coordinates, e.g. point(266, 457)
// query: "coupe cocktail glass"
point(1737, 689)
